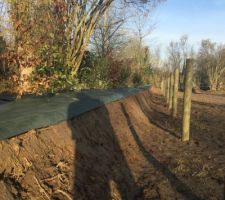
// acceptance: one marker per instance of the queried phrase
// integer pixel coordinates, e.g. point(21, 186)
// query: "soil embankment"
point(128, 149)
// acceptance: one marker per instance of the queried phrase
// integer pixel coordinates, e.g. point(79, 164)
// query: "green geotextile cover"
point(36, 112)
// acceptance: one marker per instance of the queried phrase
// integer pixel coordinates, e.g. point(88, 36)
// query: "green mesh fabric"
point(22, 115)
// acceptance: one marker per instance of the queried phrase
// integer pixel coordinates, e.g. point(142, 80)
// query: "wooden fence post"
point(162, 86)
point(165, 83)
point(175, 90)
point(171, 91)
point(167, 90)
point(187, 100)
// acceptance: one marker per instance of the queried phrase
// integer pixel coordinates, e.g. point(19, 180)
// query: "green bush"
point(137, 79)
point(93, 72)
point(53, 78)
point(119, 74)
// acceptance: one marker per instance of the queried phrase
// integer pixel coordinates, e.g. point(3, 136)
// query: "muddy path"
point(128, 149)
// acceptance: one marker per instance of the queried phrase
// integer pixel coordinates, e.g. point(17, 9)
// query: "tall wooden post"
point(175, 90)
point(165, 84)
point(171, 91)
point(167, 90)
point(162, 86)
point(187, 100)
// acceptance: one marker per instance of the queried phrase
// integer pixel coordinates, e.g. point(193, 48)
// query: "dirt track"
point(129, 149)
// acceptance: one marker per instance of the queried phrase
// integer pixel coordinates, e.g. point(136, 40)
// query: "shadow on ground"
point(175, 182)
point(159, 118)
point(101, 170)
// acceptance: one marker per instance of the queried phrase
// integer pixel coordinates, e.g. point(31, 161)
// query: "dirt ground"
point(129, 149)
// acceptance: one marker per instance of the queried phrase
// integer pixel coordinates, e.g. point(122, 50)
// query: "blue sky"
point(199, 19)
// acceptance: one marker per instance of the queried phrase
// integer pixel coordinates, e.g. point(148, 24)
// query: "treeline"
point(209, 62)
point(53, 45)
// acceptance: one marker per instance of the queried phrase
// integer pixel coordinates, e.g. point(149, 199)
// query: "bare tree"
point(82, 18)
point(109, 35)
point(211, 63)
point(142, 29)
point(174, 55)
point(178, 52)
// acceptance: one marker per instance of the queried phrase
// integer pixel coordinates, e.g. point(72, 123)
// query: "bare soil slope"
point(129, 149)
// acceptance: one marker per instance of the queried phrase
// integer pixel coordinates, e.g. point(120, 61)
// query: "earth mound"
point(128, 149)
